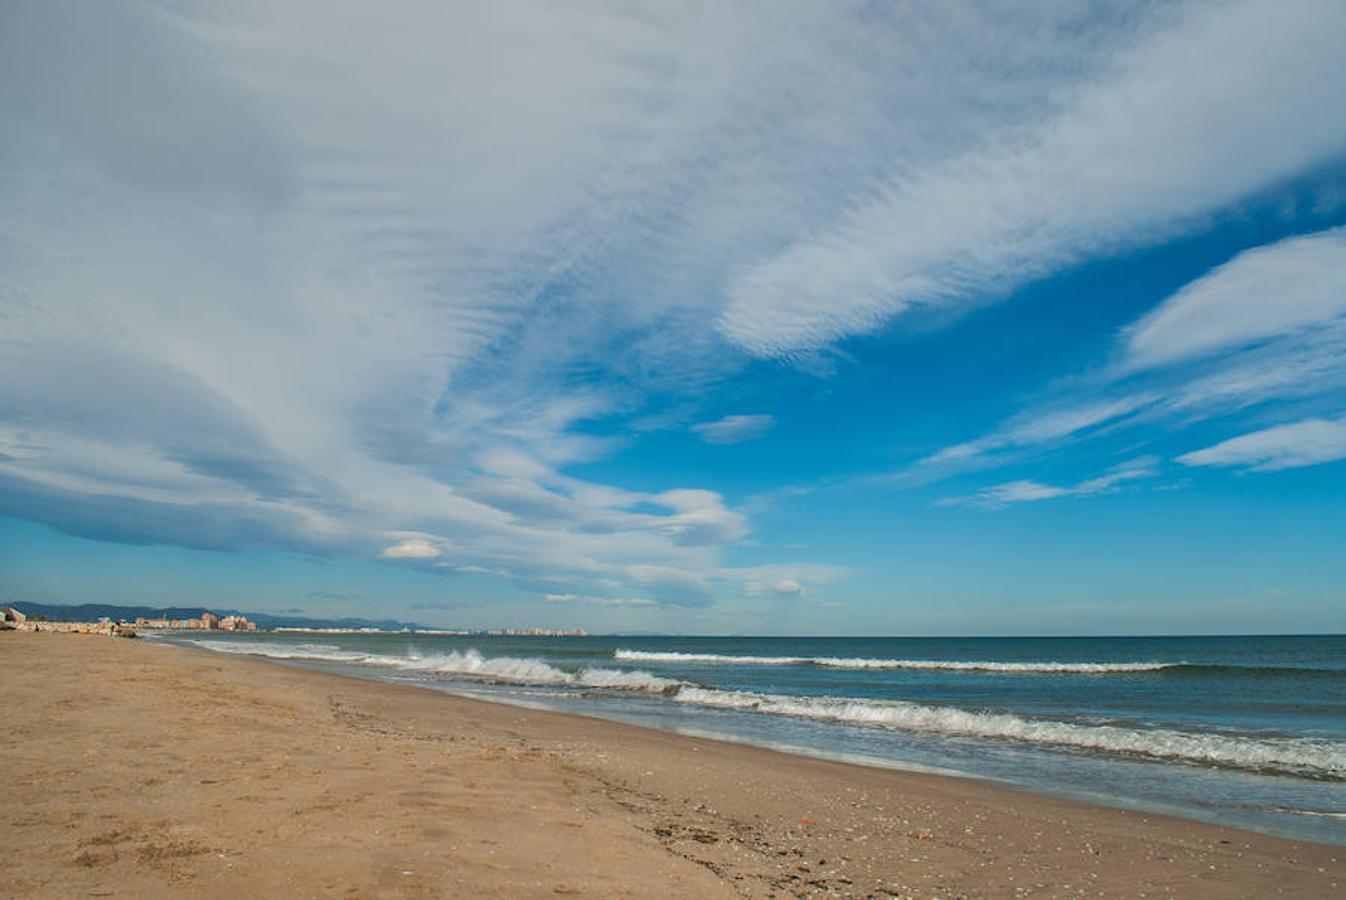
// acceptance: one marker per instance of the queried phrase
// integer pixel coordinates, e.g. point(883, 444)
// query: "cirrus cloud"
point(592, 600)
point(1268, 325)
point(358, 281)
point(734, 429)
point(1267, 292)
point(411, 548)
point(1307, 442)
point(1138, 153)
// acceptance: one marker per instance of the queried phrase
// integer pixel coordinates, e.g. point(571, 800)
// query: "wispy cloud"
point(1265, 293)
point(1270, 324)
point(446, 604)
point(475, 569)
point(342, 293)
point(734, 429)
point(335, 595)
point(1044, 426)
point(1133, 155)
point(411, 548)
point(1304, 443)
point(386, 310)
point(1000, 496)
point(785, 580)
point(592, 600)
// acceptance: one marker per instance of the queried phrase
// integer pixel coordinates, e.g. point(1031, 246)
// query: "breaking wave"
point(1297, 756)
point(833, 662)
point(468, 663)
point(1316, 813)
point(1304, 757)
point(326, 652)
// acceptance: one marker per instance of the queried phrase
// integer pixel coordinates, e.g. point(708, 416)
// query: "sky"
point(781, 317)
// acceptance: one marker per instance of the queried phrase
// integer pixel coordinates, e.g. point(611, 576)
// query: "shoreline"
point(858, 760)
point(1200, 777)
point(227, 774)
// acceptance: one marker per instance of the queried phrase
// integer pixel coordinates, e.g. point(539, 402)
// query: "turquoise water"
point(1246, 731)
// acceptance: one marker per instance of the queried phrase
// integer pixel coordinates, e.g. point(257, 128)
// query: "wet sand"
point(139, 770)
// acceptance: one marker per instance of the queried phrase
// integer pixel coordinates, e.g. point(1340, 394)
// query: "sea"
point(1243, 731)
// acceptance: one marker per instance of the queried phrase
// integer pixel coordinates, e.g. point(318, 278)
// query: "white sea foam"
point(1301, 756)
point(534, 671)
point(1314, 758)
point(324, 652)
point(833, 662)
point(1316, 813)
point(469, 663)
point(625, 680)
point(992, 666)
point(671, 656)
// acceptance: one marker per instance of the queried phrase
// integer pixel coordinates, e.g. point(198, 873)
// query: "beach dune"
point(140, 770)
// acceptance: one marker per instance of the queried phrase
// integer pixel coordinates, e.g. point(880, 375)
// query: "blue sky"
point(806, 317)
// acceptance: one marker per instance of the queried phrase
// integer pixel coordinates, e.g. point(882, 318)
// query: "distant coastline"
point(200, 618)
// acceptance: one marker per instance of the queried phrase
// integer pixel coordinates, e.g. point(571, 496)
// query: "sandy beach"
point(139, 770)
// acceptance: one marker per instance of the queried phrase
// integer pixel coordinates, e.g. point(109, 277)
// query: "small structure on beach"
point(11, 617)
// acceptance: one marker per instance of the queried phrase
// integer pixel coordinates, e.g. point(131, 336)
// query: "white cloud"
point(477, 570)
point(339, 279)
point(1268, 325)
point(1308, 364)
point(411, 548)
point(592, 600)
point(1143, 467)
point(324, 313)
point(785, 579)
point(1308, 442)
point(1041, 426)
point(1262, 293)
point(697, 517)
point(734, 429)
point(1129, 156)
point(1000, 496)
point(1019, 492)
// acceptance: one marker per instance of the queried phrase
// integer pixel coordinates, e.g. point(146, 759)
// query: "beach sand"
point(132, 769)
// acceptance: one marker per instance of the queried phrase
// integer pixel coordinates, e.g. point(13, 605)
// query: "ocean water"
point(1245, 731)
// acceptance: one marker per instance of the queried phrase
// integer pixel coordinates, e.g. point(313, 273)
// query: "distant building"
point(237, 623)
point(209, 620)
point(11, 617)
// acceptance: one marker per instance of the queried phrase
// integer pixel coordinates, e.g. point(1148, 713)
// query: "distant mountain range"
point(92, 612)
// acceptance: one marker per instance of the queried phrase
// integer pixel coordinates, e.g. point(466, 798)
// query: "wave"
point(833, 662)
point(958, 665)
point(469, 663)
point(326, 652)
point(1304, 757)
point(1295, 756)
point(1316, 813)
point(671, 656)
point(992, 666)
point(1211, 669)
